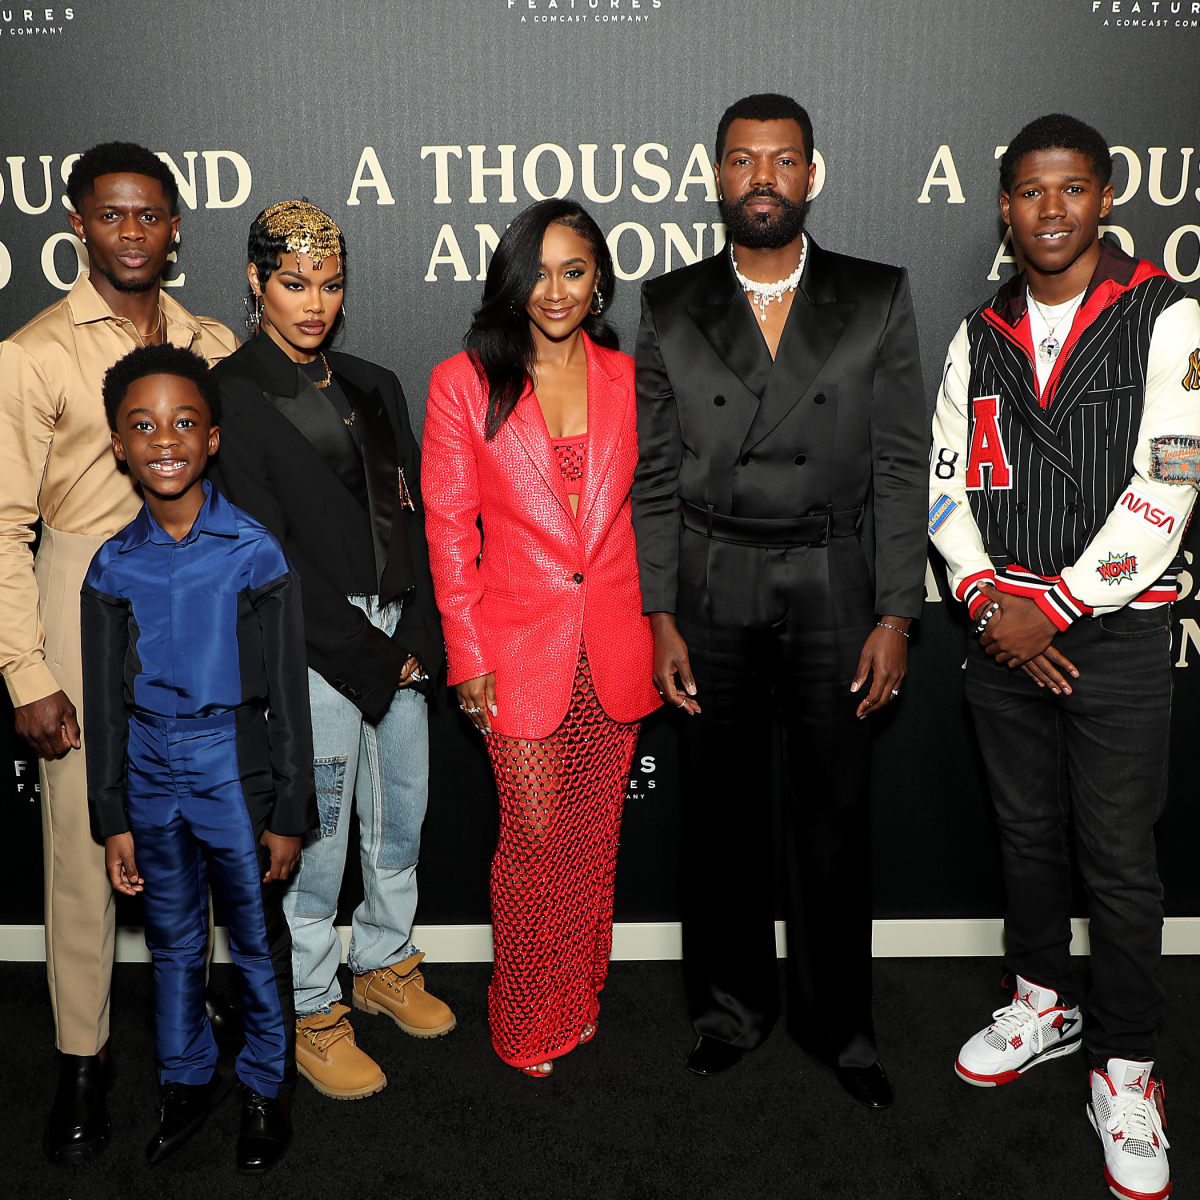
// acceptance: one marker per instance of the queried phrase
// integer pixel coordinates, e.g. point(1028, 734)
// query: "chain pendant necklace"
point(762, 294)
point(324, 383)
point(1049, 346)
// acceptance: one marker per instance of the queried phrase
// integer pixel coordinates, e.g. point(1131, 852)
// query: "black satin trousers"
point(774, 637)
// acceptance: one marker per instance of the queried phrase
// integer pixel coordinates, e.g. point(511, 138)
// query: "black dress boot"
point(78, 1125)
point(265, 1131)
point(182, 1109)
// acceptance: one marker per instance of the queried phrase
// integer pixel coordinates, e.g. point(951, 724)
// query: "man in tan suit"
point(57, 466)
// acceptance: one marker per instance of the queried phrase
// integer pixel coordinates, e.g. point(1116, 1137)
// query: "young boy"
point(199, 746)
point(1066, 454)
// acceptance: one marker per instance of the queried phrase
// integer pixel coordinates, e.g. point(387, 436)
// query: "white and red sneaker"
point(1035, 1027)
point(1126, 1111)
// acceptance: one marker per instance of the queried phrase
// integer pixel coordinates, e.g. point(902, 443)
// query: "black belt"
point(813, 530)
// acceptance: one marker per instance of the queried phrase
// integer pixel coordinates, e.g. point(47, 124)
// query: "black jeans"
point(1092, 765)
point(774, 639)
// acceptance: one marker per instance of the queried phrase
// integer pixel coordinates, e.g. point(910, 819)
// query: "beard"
point(130, 286)
point(763, 232)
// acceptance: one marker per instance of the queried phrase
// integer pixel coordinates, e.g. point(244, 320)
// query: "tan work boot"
point(399, 991)
point(328, 1058)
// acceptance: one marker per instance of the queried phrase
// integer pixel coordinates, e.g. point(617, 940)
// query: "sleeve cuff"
point(970, 594)
point(1060, 606)
point(33, 682)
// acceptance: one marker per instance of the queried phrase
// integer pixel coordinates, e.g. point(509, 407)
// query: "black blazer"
point(840, 418)
point(273, 422)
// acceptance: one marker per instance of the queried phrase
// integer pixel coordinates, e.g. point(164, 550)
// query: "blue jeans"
point(383, 770)
point(1087, 770)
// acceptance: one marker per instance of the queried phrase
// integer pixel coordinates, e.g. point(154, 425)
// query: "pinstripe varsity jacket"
point(1078, 497)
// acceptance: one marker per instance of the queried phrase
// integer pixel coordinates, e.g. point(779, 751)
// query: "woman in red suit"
point(533, 430)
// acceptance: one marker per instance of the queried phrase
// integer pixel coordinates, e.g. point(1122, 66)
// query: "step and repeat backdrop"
point(424, 126)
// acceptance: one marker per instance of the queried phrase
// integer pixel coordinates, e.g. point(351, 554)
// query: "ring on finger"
point(895, 691)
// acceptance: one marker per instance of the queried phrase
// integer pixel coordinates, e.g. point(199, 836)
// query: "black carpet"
point(620, 1117)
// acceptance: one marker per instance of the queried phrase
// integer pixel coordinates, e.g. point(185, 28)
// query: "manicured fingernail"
point(493, 710)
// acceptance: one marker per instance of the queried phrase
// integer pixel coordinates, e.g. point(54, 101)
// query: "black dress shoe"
point(868, 1085)
point(78, 1125)
point(711, 1057)
point(226, 1020)
point(265, 1131)
point(182, 1109)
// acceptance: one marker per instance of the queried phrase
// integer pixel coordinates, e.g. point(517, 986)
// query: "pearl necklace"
point(762, 294)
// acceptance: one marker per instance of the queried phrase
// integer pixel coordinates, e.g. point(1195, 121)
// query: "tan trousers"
point(79, 911)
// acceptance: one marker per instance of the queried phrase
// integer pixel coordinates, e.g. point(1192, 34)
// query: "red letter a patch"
point(987, 447)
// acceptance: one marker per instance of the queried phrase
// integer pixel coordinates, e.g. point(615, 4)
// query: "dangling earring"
point(596, 307)
point(253, 312)
point(342, 313)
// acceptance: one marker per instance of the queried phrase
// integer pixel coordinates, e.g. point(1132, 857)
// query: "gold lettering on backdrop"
point(587, 163)
point(1189, 635)
point(212, 178)
point(651, 172)
point(447, 250)
point(50, 270)
point(441, 171)
point(943, 173)
point(1003, 258)
point(16, 174)
point(1158, 155)
point(188, 188)
point(369, 174)
point(698, 171)
point(504, 172)
point(1123, 236)
point(1171, 255)
point(529, 171)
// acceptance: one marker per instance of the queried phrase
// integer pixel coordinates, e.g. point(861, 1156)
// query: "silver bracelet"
point(894, 628)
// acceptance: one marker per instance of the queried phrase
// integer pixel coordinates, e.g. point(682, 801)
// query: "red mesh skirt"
point(552, 875)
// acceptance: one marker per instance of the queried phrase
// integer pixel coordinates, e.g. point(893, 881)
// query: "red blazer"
point(545, 577)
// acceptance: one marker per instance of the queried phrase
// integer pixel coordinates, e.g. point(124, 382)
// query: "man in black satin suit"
point(779, 506)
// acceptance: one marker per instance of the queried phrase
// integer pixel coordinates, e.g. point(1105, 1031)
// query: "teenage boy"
point(199, 743)
point(1066, 454)
point(56, 467)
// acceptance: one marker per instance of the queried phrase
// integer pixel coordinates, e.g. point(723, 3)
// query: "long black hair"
point(500, 340)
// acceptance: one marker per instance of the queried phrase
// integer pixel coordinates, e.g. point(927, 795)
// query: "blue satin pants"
point(199, 794)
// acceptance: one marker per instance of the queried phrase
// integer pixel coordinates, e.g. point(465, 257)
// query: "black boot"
point(265, 1131)
point(226, 1019)
point(182, 1109)
point(78, 1126)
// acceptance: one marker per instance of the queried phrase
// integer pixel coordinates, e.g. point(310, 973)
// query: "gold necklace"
point(324, 383)
point(143, 339)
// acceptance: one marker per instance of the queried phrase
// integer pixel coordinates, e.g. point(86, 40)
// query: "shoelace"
point(1015, 1018)
point(1138, 1118)
point(322, 1039)
point(395, 981)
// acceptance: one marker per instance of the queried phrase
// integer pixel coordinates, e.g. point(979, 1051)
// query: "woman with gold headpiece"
point(532, 431)
point(318, 446)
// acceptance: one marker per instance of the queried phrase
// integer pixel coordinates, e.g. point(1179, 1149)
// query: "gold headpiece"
point(305, 229)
